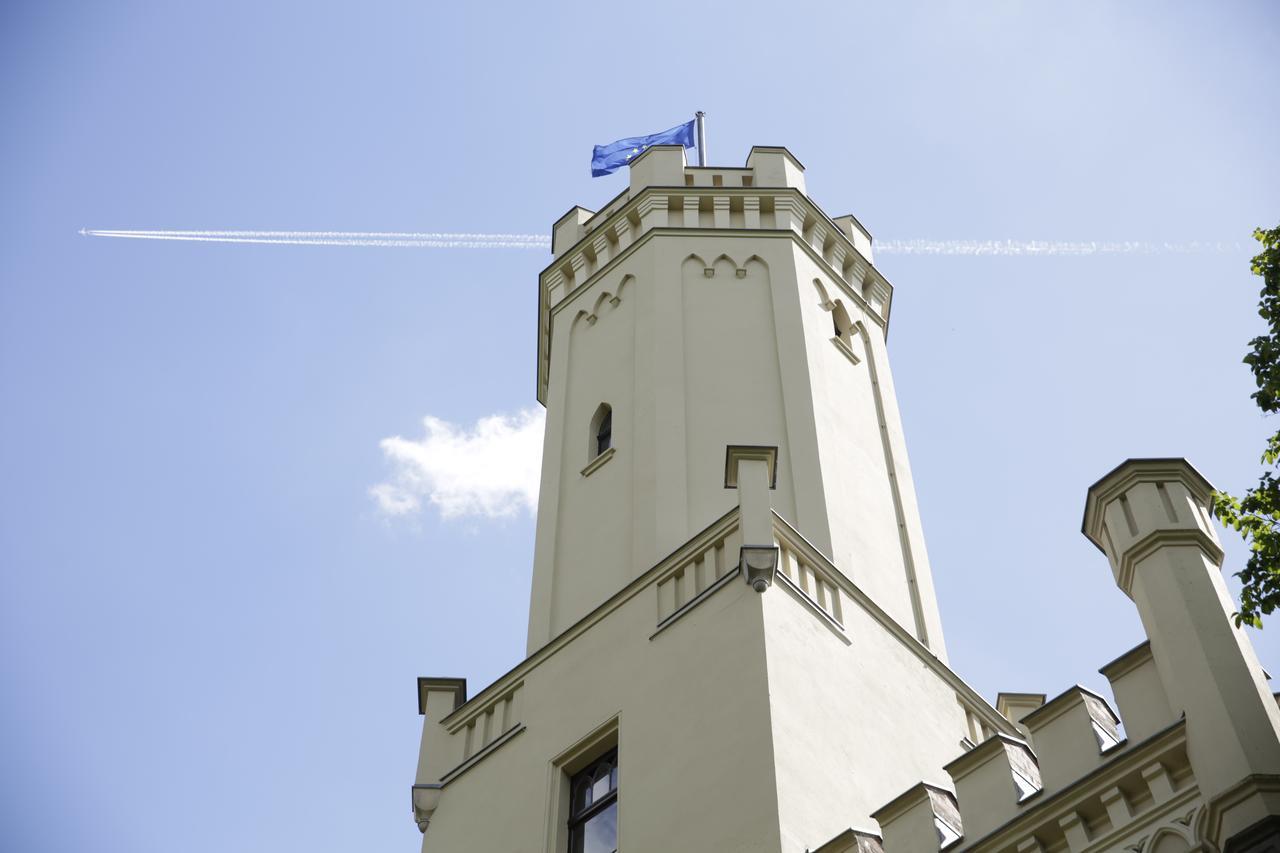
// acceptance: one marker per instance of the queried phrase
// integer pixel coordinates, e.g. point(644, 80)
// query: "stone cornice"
point(456, 686)
point(573, 257)
point(1130, 473)
point(1157, 539)
point(1127, 662)
point(1247, 787)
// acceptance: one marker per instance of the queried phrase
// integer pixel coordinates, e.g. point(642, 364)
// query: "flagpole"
point(700, 117)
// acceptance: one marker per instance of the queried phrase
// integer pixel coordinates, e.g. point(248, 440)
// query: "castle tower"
point(733, 638)
point(703, 308)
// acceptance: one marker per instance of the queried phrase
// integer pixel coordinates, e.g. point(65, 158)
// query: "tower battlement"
point(768, 195)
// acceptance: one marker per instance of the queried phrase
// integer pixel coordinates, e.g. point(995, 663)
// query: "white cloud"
point(489, 470)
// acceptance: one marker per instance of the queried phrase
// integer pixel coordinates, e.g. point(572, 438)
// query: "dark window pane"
point(598, 835)
point(604, 435)
point(581, 797)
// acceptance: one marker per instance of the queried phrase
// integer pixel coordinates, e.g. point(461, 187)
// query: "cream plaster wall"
point(844, 742)
point(694, 741)
point(746, 721)
point(692, 362)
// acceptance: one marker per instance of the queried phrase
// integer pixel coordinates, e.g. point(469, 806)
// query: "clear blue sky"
point(210, 632)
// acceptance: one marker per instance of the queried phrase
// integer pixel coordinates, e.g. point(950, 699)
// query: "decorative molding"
point(684, 609)
point(1157, 539)
point(807, 600)
point(698, 544)
point(1211, 821)
point(846, 350)
point(481, 754)
point(596, 463)
point(457, 686)
point(736, 453)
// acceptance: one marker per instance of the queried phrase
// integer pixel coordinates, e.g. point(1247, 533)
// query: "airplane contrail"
point(400, 239)
point(465, 240)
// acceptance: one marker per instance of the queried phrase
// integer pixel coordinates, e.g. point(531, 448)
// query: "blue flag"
point(607, 159)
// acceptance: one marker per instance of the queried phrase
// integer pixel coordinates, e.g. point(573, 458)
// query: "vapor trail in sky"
point(1051, 247)
point(452, 240)
point(398, 239)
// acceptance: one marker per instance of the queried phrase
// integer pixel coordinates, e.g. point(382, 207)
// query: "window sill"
point(844, 348)
point(598, 461)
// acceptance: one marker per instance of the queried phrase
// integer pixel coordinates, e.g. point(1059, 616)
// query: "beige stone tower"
point(734, 642)
point(708, 314)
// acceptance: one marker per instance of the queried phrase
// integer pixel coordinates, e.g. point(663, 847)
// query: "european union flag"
point(607, 159)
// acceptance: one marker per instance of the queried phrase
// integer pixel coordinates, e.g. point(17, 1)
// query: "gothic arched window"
point(601, 430)
point(843, 325)
point(593, 807)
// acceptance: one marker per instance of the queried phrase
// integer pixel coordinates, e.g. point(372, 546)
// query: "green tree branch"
point(1256, 516)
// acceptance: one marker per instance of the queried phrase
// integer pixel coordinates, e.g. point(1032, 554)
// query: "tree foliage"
point(1256, 516)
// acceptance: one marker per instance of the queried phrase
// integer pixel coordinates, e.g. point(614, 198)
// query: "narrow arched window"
point(593, 807)
point(843, 325)
point(601, 430)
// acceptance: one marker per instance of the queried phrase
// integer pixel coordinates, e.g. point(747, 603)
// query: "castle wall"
point(693, 735)
point(856, 719)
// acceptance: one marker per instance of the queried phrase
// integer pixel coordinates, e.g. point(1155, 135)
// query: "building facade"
point(734, 643)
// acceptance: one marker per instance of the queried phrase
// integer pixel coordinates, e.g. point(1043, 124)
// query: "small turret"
point(1151, 517)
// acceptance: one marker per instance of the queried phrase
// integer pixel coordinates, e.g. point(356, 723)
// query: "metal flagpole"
point(701, 118)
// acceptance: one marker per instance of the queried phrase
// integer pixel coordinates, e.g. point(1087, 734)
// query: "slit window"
point(601, 430)
point(843, 324)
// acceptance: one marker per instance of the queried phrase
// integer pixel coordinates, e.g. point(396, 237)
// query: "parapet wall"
point(667, 194)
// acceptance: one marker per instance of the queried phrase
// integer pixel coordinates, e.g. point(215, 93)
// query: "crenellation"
point(992, 781)
point(923, 818)
point(853, 841)
point(1072, 733)
point(859, 236)
point(569, 229)
point(1016, 706)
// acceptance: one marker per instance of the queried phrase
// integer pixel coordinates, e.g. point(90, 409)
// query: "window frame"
point(578, 820)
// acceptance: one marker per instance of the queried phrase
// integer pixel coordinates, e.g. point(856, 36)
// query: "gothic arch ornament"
point(824, 298)
point(726, 263)
point(1167, 839)
point(600, 301)
point(627, 281)
point(746, 266)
